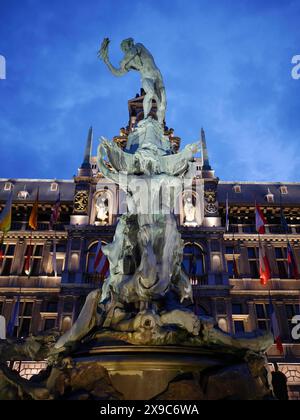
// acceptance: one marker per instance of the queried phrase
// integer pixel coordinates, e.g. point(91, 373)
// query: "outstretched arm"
point(103, 55)
point(116, 72)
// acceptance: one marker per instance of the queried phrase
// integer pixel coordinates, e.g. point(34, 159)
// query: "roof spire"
point(88, 149)
point(85, 169)
point(205, 160)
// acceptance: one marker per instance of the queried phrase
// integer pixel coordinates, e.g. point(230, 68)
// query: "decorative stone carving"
point(189, 212)
point(81, 201)
point(102, 208)
point(210, 200)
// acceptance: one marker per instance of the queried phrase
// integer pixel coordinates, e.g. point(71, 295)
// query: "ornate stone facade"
point(222, 266)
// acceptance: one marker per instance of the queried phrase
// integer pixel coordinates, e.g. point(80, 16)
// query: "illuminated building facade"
point(223, 265)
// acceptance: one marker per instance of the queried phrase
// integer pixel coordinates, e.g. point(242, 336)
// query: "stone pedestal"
point(126, 372)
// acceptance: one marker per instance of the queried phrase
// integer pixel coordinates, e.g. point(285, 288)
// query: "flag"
point(14, 319)
point(275, 328)
point(235, 268)
point(264, 266)
point(227, 215)
point(193, 266)
point(55, 213)
point(54, 264)
point(5, 216)
point(284, 224)
point(33, 219)
point(27, 267)
point(292, 264)
point(101, 264)
point(260, 221)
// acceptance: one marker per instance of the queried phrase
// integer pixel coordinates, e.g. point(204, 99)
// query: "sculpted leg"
point(162, 105)
point(148, 86)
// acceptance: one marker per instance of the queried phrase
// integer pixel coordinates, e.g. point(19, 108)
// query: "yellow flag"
point(33, 219)
point(5, 216)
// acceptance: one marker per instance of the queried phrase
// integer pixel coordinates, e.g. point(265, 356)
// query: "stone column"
point(46, 261)
point(18, 261)
point(252, 315)
point(36, 317)
point(229, 315)
point(243, 260)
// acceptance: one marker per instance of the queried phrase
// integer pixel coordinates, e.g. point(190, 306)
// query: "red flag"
point(55, 212)
point(101, 264)
point(260, 221)
point(235, 268)
point(27, 267)
point(264, 266)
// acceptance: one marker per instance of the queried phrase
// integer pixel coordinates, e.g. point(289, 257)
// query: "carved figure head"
point(127, 44)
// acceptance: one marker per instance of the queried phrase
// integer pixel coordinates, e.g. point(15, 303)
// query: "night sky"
point(226, 66)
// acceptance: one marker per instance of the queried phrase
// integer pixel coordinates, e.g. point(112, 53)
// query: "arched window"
point(193, 260)
point(91, 256)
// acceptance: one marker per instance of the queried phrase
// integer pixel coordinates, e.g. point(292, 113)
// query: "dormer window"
point(270, 196)
point(54, 186)
point(284, 190)
point(8, 186)
point(23, 194)
point(237, 189)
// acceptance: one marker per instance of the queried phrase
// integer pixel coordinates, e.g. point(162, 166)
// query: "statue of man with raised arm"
point(138, 58)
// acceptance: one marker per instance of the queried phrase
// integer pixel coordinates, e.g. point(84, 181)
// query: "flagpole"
point(6, 222)
point(53, 225)
point(1, 252)
point(285, 227)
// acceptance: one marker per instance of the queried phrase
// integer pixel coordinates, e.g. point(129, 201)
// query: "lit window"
point(237, 189)
point(54, 186)
point(284, 190)
point(8, 186)
point(23, 194)
point(270, 196)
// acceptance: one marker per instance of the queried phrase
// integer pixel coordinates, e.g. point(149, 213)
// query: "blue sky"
point(226, 65)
